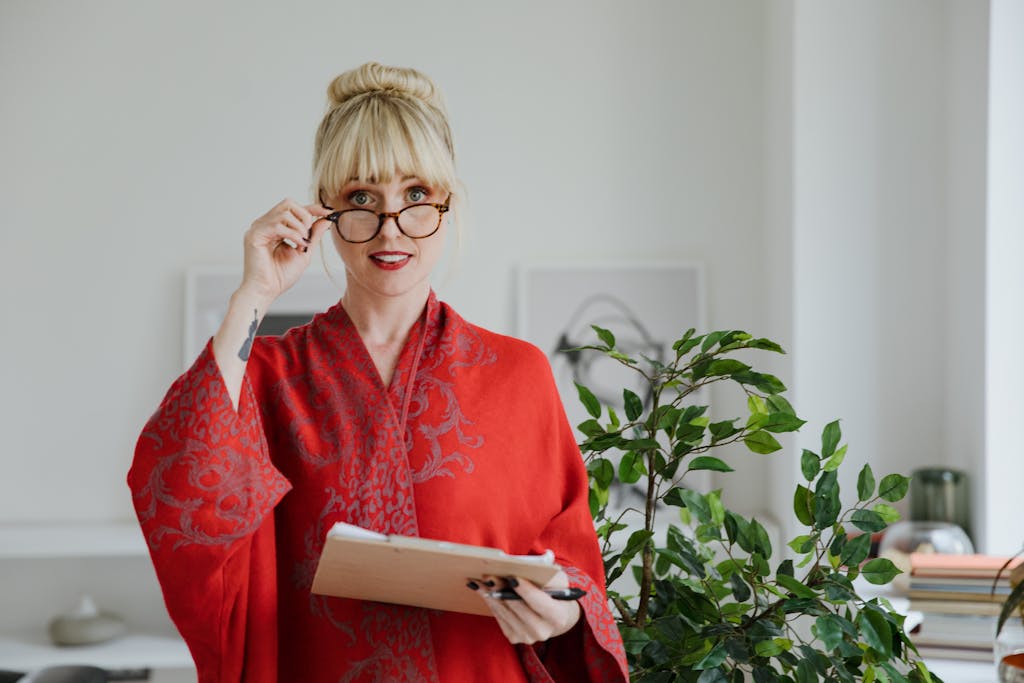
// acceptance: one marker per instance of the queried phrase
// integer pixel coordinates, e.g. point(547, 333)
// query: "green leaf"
point(893, 487)
point(684, 559)
point(1013, 602)
point(773, 647)
point(805, 672)
point(631, 467)
point(769, 384)
point(802, 544)
point(875, 631)
point(715, 507)
point(707, 676)
point(782, 422)
point(634, 406)
point(856, 550)
point(603, 471)
point(879, 571)
point(725, 366)
point(761, 442)
point(795, 586)
point(888, 513)
point(803, 505)
point(590, 428)
point(707, 462)
point(868, 520)
point(607, 337)
point(756, 405)
point(712, 339)
point(835, 460)
point(762, 544)
point(696, 503)
point(865, 483)
point(634, 639)
point(779, 404)
point(826, 500)
point(740, 589)
point(829, 631)
point(588, 400)
point(809, 465)
point(830, 439)
point(723, 430)
point(674, 497)
point(637, 540)
point(712, 659)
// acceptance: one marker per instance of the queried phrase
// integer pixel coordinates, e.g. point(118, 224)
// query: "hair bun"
point(386, 80)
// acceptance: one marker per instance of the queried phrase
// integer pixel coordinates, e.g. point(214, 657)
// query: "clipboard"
point(406, 570)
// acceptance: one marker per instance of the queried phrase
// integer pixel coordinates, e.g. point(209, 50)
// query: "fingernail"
point(512, 583)
point(472, 585)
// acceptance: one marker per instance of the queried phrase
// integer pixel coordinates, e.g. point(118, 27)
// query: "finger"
point(296, 224)
point(319, 229)
point(274, 235)
point(540, 604)
point(318, 210)
point(481, 588)
point(303, 216)
point(511, 625)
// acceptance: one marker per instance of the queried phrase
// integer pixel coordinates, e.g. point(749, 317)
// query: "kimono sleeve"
point(593, 650)
point(204, 490)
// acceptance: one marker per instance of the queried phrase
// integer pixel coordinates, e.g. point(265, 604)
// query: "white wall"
point(142, 138)
point(1004, 313)
point(820, 157)
point(882, 113)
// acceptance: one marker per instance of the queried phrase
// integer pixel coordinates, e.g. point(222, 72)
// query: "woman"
point(387, 411)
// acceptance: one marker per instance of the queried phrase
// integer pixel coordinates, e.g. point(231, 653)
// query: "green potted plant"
point(714, 603)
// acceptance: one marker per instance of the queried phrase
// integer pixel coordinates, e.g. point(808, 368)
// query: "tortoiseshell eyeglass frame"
point(382, 216)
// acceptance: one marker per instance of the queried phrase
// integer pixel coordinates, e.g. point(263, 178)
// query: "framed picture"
point(646, 307)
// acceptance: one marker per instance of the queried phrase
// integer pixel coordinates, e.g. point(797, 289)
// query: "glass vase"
point(1009, 651)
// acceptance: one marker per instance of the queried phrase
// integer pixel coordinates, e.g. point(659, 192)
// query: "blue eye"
point(359, 198)
point(417, 194)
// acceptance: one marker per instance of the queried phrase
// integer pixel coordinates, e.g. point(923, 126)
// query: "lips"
point(390, 260)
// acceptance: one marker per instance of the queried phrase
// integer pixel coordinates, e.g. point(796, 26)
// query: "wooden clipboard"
point(416, 571)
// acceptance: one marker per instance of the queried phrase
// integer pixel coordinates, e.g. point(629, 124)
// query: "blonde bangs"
point(372, 138)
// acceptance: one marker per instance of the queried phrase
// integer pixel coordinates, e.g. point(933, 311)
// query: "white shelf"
point(130, 652)
point(72, 539)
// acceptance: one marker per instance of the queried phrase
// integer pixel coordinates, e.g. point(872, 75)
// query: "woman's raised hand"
point(276, 252)
point(277, 247)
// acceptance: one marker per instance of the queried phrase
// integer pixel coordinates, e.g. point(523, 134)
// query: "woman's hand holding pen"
point(537, 616)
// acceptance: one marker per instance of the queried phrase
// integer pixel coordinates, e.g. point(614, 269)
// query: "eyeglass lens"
point(415, 221)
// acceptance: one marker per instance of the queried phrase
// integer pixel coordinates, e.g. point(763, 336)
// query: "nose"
point(389, 228)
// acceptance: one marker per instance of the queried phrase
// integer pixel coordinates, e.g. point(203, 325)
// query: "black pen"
point(556, 593)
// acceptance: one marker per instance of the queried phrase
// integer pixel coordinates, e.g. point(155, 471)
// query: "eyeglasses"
point(362, 225)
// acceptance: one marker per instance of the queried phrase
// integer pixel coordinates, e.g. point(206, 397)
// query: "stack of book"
point(955, 595)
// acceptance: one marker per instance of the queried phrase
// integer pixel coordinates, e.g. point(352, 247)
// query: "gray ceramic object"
point(86, 626)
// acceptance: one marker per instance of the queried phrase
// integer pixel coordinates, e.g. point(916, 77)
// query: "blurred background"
point(847, 174)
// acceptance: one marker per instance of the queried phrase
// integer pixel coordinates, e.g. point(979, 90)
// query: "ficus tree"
point(714, 602)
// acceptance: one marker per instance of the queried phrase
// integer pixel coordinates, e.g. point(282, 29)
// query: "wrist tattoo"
point(246, 349)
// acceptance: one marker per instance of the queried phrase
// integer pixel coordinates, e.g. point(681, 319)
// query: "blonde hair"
point(383, 120)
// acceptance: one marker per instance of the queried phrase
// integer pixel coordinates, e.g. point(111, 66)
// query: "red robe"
point(469, 443)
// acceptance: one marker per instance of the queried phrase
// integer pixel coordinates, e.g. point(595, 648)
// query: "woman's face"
point(391, 264)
